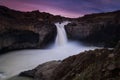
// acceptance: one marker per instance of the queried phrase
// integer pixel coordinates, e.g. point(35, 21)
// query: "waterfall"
point(15, 62)
point(61, 38)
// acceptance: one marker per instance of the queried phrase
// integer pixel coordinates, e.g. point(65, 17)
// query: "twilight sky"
point(68, 8)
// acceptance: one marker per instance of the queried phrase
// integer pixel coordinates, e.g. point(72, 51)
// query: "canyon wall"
point(102, 29)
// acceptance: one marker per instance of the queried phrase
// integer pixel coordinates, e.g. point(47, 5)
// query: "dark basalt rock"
point(18, 39)
point(29, 73)
point(42, 72)
point(99, 29)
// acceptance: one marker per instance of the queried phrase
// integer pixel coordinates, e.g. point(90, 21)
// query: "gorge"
point(17, 61)
point(62, 47)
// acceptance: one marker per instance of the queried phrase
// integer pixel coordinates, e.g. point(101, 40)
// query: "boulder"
point(42, 72)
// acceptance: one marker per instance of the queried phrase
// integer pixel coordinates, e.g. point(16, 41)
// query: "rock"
point(111, 55)
point(18, 39)
point(89, 66)
point(100, 29)
point(45, 71)
point(117, 48)
point(42, 72)
point(111, 67)
point(29, 73)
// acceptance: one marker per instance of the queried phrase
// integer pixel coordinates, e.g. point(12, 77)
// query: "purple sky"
point(69, 8)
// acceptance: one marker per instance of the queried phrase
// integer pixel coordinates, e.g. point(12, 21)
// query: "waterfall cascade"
point(61, 38)
point(13, 63)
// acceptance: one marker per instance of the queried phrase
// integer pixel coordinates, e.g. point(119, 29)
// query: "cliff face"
point(100, 64)
point(21, 30)
point(101, 29)
point(18, 39)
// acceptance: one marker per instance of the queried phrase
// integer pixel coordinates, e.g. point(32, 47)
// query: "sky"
point(67, 8)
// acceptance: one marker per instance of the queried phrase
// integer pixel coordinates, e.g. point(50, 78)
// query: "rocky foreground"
point(100, 64)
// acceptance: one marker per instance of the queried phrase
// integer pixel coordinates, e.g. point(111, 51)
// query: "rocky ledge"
point(101, 29)
point(99, 64)
point(43, 71)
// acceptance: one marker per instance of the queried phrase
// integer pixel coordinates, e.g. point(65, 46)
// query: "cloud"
point(65, 7)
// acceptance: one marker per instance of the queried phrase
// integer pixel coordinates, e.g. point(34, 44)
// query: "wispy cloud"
point(71, 8)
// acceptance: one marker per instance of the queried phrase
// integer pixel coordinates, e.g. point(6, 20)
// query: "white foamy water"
point(61, 38)
point(13, 63)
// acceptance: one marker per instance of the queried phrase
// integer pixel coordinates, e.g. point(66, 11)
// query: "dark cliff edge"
point(99, 64)
point(101, 29)
point(26, 30)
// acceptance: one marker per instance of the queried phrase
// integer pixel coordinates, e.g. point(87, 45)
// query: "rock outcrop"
point(43, 71)
point(102, 29)
point(99, 64)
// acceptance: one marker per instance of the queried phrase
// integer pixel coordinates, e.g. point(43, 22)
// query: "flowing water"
point(61, 38)
point(13, 63)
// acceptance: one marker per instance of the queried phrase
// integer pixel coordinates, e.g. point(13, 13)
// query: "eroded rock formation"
point(100, 29)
